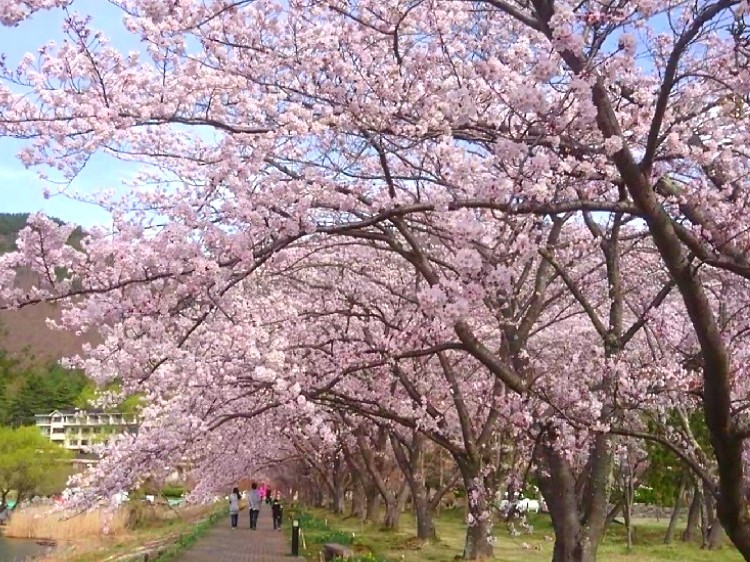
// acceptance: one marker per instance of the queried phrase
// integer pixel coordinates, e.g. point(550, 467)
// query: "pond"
point(16, 550)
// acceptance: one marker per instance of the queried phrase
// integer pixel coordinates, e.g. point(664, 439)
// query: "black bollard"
point(295, 538)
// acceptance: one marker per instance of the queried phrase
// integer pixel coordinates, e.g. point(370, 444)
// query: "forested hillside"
point(24, 334)
point(10, 225)
point(31, 381)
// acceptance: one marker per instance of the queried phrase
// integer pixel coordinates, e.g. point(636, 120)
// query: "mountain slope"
point(24, 333)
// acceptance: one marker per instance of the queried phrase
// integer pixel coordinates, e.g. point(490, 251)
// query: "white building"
point(77, 429)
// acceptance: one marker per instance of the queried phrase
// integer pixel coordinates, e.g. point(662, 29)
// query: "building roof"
point(77, 412)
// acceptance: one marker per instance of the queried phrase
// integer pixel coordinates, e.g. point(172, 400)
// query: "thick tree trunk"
point(425, 520)
point(669, 535)
point(478, 544)
point(578, 528)
point(337, 487)
point(559, 491)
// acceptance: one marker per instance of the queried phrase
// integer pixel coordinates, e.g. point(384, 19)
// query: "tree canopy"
point(516, 230)
point(29, 464)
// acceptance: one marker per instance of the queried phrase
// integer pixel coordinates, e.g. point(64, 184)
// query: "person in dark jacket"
point(277, 510)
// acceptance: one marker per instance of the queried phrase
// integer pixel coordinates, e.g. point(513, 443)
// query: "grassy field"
point(99, 536)
point(373, 544)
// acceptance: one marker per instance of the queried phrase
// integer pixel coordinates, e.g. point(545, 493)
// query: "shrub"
point(173, 491)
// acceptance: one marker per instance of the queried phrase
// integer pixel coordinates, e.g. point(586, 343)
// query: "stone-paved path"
point(222, 544)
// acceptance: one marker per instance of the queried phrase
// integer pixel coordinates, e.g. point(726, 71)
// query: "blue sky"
point(22, 190)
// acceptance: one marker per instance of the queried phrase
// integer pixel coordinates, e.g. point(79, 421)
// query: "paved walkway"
point(222, 544)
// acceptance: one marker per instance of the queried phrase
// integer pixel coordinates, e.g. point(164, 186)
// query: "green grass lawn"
point(374, 544)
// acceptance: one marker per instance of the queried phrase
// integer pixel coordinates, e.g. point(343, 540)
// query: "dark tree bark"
point(578, 523)
point(395, 508)
point(372, 513)
point(359, 500)
point(410, 456)
point(694, 514)
point(375, 469)
point(676, 509)
point(338, 485)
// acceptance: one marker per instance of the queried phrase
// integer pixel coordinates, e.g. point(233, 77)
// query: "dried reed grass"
point(44, 522)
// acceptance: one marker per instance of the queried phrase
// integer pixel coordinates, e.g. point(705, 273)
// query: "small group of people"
point(254, 501)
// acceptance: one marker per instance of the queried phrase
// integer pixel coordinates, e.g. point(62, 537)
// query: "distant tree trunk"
point(676, 509)
point(628, 494)
point(319, 497)
point(707, 513)
point(359, 501)
point(627, 512)
point(694, 514)
point(614, 512)
point(337, 484)
point(394, 507)
point(359, 493)
point(410, 458)
point(373, 504)
point(338, 499)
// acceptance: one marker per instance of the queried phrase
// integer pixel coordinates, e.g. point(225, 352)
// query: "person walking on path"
point(277, 510)
point(254, 500)
point(234, 507)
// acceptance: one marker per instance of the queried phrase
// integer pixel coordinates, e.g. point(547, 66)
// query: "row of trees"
point(516, 231)
point(372, 471)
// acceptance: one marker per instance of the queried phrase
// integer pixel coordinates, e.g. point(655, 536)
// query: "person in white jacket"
point(254, 500)
point(234, 507)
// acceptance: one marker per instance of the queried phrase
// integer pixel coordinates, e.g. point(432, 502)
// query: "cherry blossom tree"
point(421, 127)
